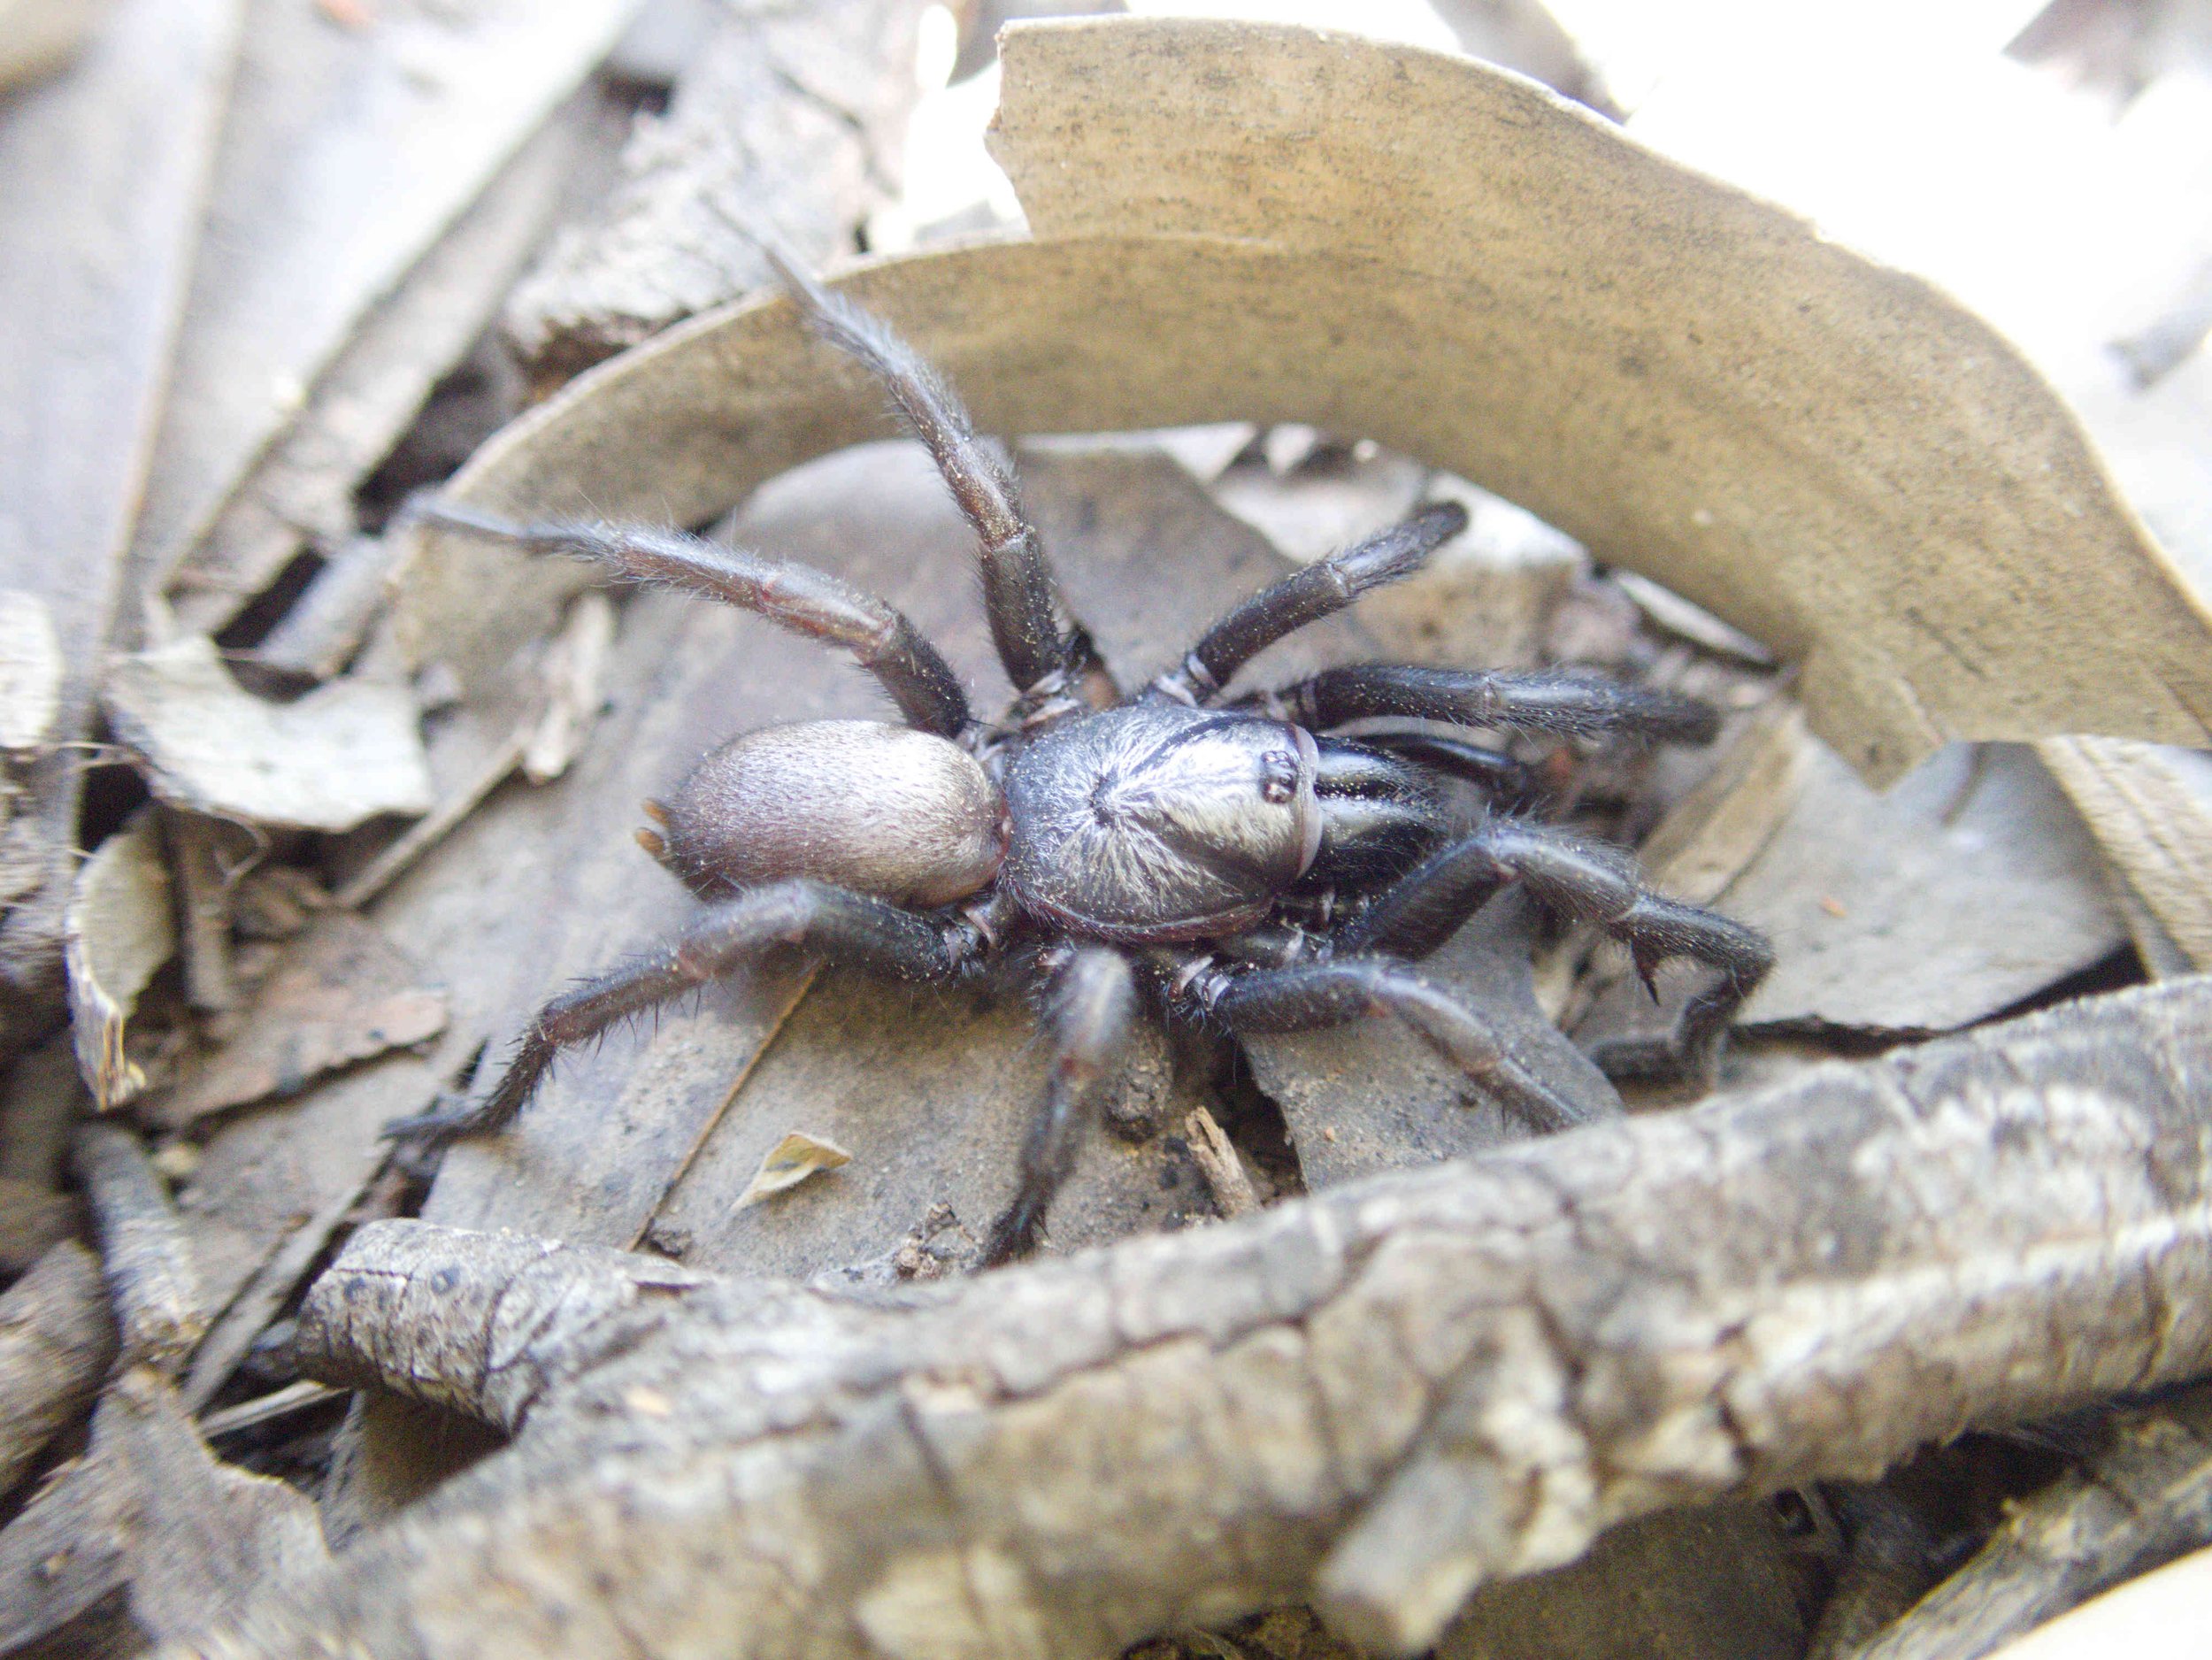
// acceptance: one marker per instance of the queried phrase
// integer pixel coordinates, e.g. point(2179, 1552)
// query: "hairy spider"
point(1234, 862)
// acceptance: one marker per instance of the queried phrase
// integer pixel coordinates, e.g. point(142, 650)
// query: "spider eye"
point(1278, 776)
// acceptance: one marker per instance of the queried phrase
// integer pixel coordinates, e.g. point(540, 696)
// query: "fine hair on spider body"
point(1173, 848)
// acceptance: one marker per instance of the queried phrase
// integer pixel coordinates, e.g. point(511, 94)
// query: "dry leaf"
point(347, 752)
point(340, 996)
point(790, 1162)
point(120, 928)
point(30, 671)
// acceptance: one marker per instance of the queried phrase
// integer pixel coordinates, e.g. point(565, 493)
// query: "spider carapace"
point(1232, 861)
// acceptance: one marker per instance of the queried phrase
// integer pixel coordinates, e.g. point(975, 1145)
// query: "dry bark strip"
point(144, 1253)
point(1379, 1398)
point(56, 1341)
point(796, 113)
point(2144, 1499)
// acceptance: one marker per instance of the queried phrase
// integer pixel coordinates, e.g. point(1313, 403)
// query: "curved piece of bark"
point(56, 1339)
point(1379, 1398)
point(1272, 224)
point(2144, 1499)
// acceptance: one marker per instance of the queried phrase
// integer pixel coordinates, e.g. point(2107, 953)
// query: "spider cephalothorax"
point(1240, 863)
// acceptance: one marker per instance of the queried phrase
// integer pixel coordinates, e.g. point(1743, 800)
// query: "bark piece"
point(102, 177)
point(1970, 887)
point(1462, 1375)
point(270, 1187)
point(2150, 808)
point(343, 993)
point(144, 1255)
point(30, 672)
point(203, 911)
point(574, 666)
point(32, 1219)
point(149, 1507)
point(1373, 1096)
point(2142, 1500)
point(347, 752)
point(302, 488)
point(347, 153)
point(56, 1339)
point(794, 116)
point(120, 930)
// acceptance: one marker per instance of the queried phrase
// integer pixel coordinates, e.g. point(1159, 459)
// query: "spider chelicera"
point(1231, 860)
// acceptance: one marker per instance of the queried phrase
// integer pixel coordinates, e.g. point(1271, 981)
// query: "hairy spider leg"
point(795, 596)
point(1018, 592)
point(851, 929)
point(1321, 589)
point(1090, 1008)
point(1426, 906)
point(1500, 777)
point(1572, 706)
point(1303, 996)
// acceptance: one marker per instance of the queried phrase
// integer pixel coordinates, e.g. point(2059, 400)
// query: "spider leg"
point(1426, 907)
point(1090, 1006)
point(795, 596)
point(1500, 777)
point(848, 928)
point(1300, 998)
point(1321, 589)
point(1018, 587)
point(1575, 705)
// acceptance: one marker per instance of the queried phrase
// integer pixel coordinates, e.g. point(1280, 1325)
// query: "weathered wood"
point(2144, 1498)
point(101, 174)
point(794, 115)
point(144, 1255)
point(56, 1339)
point(1456, 1375)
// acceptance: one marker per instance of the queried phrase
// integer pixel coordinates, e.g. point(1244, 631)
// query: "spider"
point(1234, 860)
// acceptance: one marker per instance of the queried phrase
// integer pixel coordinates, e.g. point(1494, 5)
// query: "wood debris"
point(30, 673)
point(56, 1341)
point(1464, 1325)
point(144, 1255)
point(120, 929)
point(347, 751)
point(343, 993)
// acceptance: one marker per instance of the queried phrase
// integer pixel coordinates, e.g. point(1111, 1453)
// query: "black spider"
point(1234, 862)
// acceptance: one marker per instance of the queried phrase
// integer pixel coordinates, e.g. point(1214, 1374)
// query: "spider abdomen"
point(1159, 822)
point(882, 810)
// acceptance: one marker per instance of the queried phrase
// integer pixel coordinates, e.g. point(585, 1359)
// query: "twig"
point(1375, 1399)
point(56, 1341)
point(143, 1250)
point(2143, 1501)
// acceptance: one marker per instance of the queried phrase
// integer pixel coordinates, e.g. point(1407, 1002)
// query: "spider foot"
point(1665, 1058)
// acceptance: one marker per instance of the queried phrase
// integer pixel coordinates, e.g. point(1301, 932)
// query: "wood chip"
point(56, 1341)
point(2150, 808)
point(347, 751)
point(144, 1255)
point(574, 669)
point(120, 928)
point(343, 993)
point(102, 178)
point(345, 156)
point(796, 115)
point(303, 486)
point(790, 1162)
point(30, 672)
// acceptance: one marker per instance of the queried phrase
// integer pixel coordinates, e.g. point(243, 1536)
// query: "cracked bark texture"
point(2141, 1501)
point(1375, 1399)
point(796, 114)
